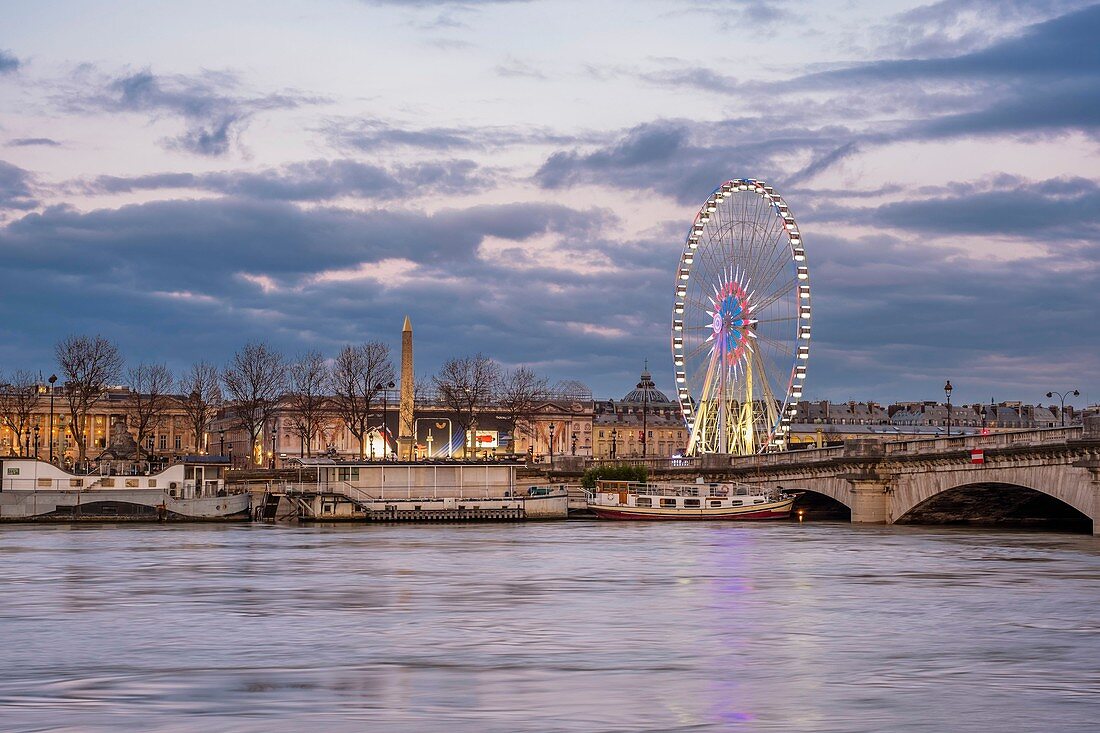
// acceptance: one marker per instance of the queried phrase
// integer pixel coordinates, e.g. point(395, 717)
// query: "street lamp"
point(573, 444)
point(36, 442)
point(1062, 400)
point(27, 441)
point(52, 380)
point(221, 451)
point(385, 389)
point(614, 448)
point(644, 387)
point(552, 444)
point(947, 391)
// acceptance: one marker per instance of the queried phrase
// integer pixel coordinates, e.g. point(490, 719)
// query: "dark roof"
point(646, 392)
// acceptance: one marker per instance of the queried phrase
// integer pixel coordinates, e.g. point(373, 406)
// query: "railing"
point(1044, 436)
point(786, 458)
point(656, 464)
point(361, 495)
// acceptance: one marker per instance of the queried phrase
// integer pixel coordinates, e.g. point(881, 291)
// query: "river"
point(562, 626)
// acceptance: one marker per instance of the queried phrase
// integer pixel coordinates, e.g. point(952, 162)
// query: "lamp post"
point(614, 447)
point(36, 442)
point(52, 380)
point(274, 433)
point(644, 387)
point(1062, 400)
point(947, 391)
point(573, 444)
point(27, 441)
point(385, 388)
point(552, 426)
point(221, 450)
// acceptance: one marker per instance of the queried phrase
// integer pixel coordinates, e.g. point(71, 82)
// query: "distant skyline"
point(518, 178)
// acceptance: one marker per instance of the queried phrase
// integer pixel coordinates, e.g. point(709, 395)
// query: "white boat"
point(718, 501)
point(191, 490)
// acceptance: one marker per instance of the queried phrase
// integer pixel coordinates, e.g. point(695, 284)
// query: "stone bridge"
point(915, 480)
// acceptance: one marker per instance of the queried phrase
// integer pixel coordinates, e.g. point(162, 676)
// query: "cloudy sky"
point(518, 177)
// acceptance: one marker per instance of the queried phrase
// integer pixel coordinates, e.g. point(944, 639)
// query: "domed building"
point(618, 425)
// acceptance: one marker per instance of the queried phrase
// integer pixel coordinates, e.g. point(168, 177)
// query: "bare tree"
point(307, 403)
point(357, 373)
point(89, 364)
point(465, 386)
point(255, 380)
point(521, 391)
point(19, 397)
point(150, 399)
point(200, 396)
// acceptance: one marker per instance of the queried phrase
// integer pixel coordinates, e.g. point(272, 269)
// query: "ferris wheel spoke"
point(785, 289)
point(776, 345)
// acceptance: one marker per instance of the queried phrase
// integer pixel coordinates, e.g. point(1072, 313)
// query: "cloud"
point(517, 68)
point(1047, 212)
point(316, 180)
point(15, 188)
point(8, 63)
point(374, 135)
point(686, 159)
point(24, 142)
point(321, 276)
point(951, 27)
point(214, 114)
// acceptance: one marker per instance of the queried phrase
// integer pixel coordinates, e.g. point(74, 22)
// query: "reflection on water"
point(570, 626)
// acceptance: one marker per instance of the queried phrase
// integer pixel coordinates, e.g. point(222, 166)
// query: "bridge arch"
point(1017, 498)
point(814, 504)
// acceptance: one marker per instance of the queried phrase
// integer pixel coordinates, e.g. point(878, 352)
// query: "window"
point(715, 504)
point(179, 442)
point(164, 442)
point(152, 483)
point(644, 501)
point(736, 502)
point(668, 502)
point(693, 503)
point(601, 433)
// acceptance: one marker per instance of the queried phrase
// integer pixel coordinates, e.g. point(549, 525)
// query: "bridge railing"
point(1044, 436)
point(809, 455)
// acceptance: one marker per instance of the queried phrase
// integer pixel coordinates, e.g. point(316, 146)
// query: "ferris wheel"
point(741, 321)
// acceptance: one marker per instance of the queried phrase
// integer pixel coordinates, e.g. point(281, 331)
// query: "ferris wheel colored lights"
point(741, 320)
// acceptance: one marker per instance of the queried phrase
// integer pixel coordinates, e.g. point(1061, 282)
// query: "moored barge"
point(192, 490)
point(668, 501)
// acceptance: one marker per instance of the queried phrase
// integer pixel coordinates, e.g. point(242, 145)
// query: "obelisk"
point(406, 439)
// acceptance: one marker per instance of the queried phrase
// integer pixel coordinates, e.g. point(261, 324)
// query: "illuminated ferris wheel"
point(741, 321)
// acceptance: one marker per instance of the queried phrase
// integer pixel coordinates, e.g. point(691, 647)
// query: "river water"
point(563, 626)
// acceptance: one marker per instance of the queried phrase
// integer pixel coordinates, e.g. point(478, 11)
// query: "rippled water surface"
point(570, 626)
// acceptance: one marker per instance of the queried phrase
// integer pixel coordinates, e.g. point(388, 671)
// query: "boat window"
point(736, 502)
point(668, 502)
point(757, 501)
point(152, 483)
point(714, 504)
point(691, 502)
point(644, 501)
point(131, 483)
